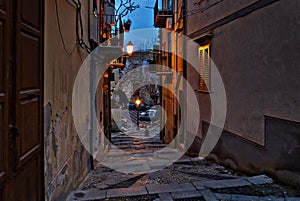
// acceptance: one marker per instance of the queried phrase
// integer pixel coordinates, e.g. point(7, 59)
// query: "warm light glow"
point(137, 102)
point(95, 13)
point(129, 48)
point(204, 47)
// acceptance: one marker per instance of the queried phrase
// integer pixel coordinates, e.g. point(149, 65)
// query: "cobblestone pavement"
point(187, 179)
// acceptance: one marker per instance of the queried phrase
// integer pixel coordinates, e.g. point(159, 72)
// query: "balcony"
point(161, 16)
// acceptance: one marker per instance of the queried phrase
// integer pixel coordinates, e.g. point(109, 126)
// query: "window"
point(204, 67)
point(170, 5)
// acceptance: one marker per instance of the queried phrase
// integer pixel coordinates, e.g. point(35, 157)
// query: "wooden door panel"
point(3, 142)
point(29, 143)
point(4, 121)
point(1, 194)
point(29, 129)
point(26, 185)
point(2, 56)
point(29, 85)
point(29, 61)
point(21, 100)
point(30, 12)
point(2, 5)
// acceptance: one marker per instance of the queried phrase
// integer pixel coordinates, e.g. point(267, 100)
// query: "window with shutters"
point(204, 67)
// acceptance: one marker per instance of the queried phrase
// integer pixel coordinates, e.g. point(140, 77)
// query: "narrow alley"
point(149, 100)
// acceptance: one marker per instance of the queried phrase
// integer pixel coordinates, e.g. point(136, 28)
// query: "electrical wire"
point(79, 28)
point(200, 10)
point(60, 32)
point(79, 24)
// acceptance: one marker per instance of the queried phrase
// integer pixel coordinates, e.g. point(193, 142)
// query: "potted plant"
point(127, 25)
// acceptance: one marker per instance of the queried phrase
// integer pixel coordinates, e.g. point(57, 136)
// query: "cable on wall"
point(79, 27)
point(76, 4)
point(60, 32)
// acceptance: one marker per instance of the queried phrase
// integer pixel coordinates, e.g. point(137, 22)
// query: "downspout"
point(92, 69)
point(184, 44)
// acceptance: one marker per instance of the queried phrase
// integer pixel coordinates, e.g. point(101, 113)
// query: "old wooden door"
point(21, 100)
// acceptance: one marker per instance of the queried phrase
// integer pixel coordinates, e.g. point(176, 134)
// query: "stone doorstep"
point(167, 188)
point(121, 192)
point(227, 183)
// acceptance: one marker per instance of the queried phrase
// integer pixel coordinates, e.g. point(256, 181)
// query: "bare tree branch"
point(124, 8)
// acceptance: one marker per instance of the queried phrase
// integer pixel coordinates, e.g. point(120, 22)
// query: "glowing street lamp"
point(137, 103)
point(129, 48)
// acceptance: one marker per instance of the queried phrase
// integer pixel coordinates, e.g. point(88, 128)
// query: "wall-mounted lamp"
point(129, 48)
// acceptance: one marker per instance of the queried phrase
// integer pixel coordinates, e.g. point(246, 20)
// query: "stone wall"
point(66, 160)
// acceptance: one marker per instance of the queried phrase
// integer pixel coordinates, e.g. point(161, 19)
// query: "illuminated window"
point(204, 67)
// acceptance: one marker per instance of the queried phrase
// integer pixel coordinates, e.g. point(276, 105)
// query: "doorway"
point(21, 100)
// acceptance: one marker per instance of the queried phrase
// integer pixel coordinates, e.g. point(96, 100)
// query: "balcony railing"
point(161, 16)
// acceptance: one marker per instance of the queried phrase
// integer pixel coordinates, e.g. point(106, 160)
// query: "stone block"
point(121, 192)
point(199, 185)
point(166, 188)
point(187, 186)
point(260, 179)
point(165, 197)
point(94, 194)
point(220, 196)
point(152, 189)
point(185, 194)
point(208, 195)
point(292, 199)
point(227, 183)
point(254, 198)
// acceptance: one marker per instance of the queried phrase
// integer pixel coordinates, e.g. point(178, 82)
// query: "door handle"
point(13, 134)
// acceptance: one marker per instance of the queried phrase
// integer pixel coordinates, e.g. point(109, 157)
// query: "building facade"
point(255, 47)
point(72, 31)
point(168, 16)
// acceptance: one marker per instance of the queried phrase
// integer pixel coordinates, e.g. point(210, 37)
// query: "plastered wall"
point(257, 56)
point(66, 161)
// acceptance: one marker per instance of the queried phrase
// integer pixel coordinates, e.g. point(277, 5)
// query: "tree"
point(125, 7)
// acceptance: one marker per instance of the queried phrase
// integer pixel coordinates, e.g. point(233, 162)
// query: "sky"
point(142, 18)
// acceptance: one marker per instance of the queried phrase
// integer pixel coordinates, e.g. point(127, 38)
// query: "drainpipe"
point(184, 44)
point(92, 78)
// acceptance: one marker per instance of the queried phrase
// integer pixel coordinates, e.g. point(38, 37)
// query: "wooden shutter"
point(204, 65)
